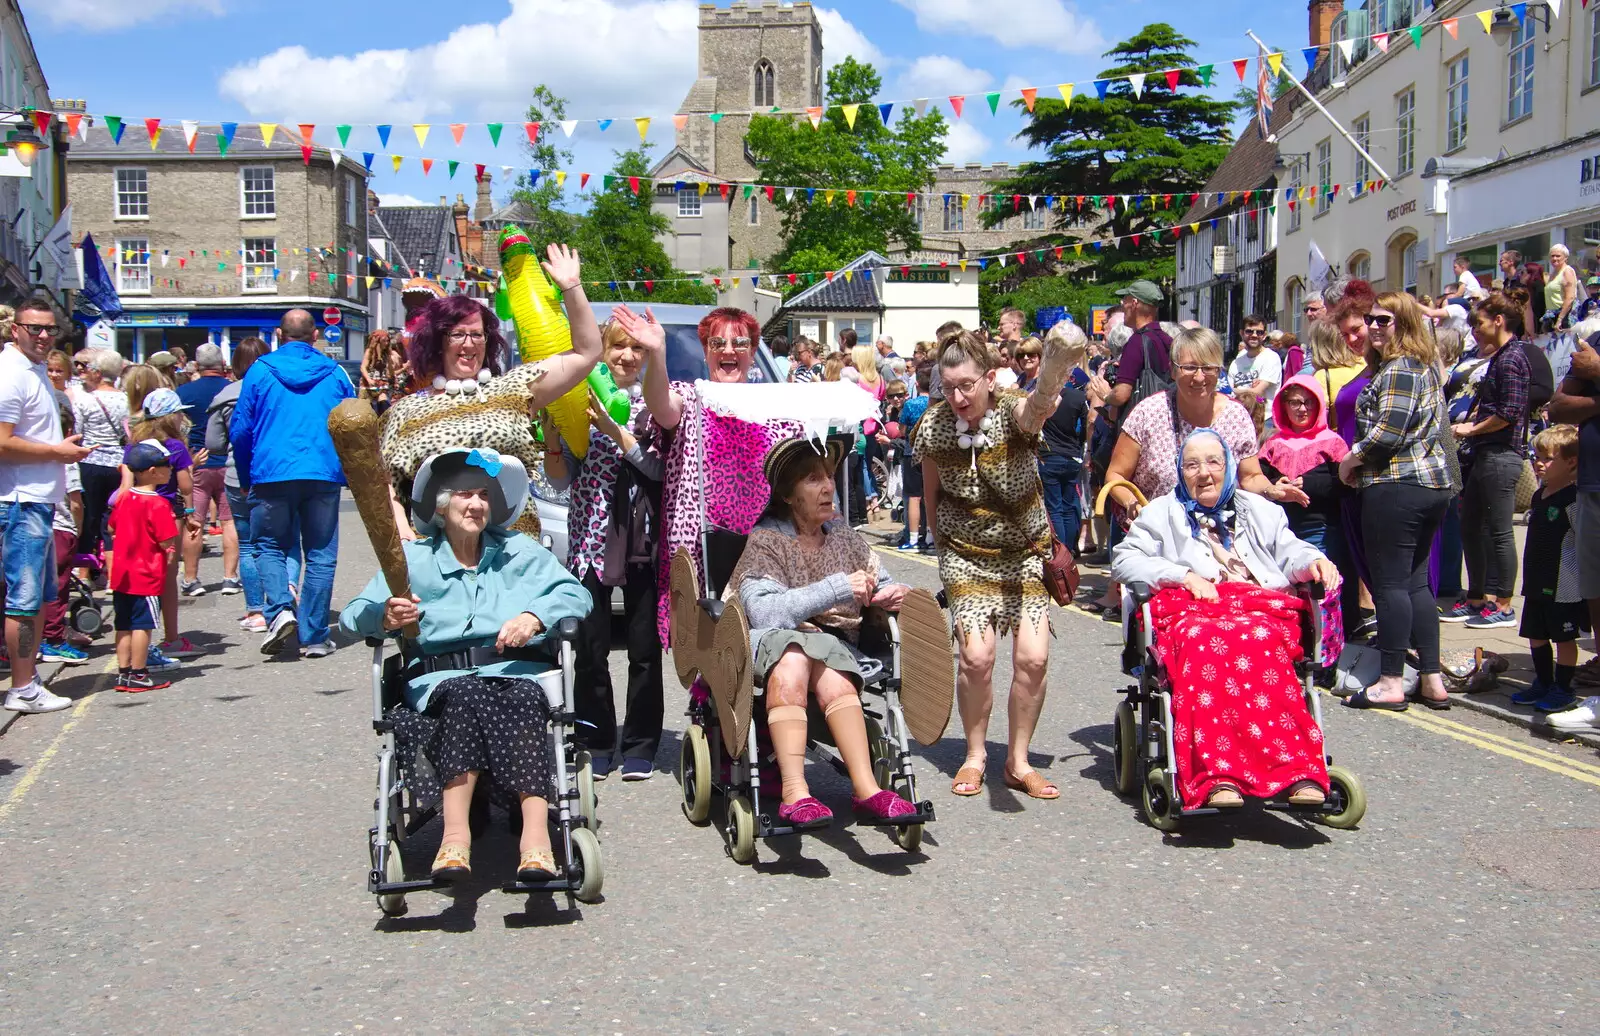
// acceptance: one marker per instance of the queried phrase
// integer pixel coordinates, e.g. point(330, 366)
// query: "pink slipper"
point(808, 812)
point(885, 805)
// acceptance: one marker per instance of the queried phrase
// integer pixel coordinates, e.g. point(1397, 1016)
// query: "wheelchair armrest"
point(1314, 590)
point(712, 606)
point(567, 629)
point(376, 642)
point(1140, 592)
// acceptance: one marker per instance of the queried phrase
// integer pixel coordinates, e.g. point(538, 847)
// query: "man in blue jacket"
point(285, 457)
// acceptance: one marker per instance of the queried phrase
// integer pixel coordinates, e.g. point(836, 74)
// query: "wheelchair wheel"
point(1160, 804)
point(741, 830)
point(588, 802)
point(694, 774)
point(1125, 748)
point(590, 873)
point(394, 870)
point(1347, 799)
point(881, 762)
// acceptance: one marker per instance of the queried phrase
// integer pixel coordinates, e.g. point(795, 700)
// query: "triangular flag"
point(74, 122)
point(1486, 18)
point(337, 156)
point(383, 136)
point(307, 131)
point(305, 153)
point(1101, 86)
point(457, 131)
point(604, 124)
point(41, 122)
point(633, 183)
point(1555, 7)
point(956, 101)
point(395, 160)
point(815, 115)
point(1347, 48)
point(1137, 82)
point(1382, 41)
point(532, 130)
point(568, 126)
point(1416, 35)
point(153, 127)
point(643, 126)
point(701, 188)
point(850, 114)
point(225, 134)
point(883, 112)
point(1172, 79)
point(427, 166)
point(494, 132)
point(1030, 95)
point(1206, 72)
point(1452, 26)
point(678, 123)
point(366, 159)
point(770, 190)
point(533, 175)
point(1066, 93)
point(1521, 11)
point(421, 130)
point(583, 180)
point(561, 178)
point(1275, 62)
point(920, 106)
point(1310, 54)
point(344, 135)
point(478, 168)
point(453, 165)
point(994, 102)
point(1239, 66)
point(191, 129)
point(114, 128)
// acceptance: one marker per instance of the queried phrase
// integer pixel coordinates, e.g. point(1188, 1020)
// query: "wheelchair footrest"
point(522, 888)
point(767, 828)
point(389, 888)
point(923, 815)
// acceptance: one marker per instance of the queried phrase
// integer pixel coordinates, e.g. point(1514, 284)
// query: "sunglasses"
point(1378, 319)
point(900, 395)
point(740, 344)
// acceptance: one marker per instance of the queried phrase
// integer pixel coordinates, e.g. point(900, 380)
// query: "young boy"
point(147, 537)
point(1552, 612)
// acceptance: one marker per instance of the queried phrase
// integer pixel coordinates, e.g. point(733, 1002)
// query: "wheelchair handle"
point(1140, 592)
point(567, 629)
point(1315, 590)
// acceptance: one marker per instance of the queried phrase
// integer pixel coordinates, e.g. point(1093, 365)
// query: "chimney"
point(1323, 13)
point(444, 201)
point(485, 207)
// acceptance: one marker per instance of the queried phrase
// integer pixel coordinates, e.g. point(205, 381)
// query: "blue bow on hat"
point(486, 459)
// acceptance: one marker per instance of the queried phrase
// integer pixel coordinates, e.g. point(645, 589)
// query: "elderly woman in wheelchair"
point(1225, 707)
point(485, 600)
point(803, 580)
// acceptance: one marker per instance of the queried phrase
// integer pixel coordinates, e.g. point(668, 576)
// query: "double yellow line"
point(1511, 748)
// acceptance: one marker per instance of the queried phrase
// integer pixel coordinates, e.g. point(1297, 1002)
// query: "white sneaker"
point(280, 633)
point(322, 650)
point(35, 697)
point(1583, 716)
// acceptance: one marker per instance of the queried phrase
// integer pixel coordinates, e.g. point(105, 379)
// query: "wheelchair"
point(398, 814)
point(721, 752)
point(1142, 746)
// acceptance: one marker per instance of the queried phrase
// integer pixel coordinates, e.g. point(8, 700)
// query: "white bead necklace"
point(460, 386)
point(983, 437)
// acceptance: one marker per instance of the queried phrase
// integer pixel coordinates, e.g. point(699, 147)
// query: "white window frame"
point(754, 215)
point(1594, 47)
point(689, 206)
point(140, 286)
point(1361, 129)
point(955, 216)
point(1324, 175)
point(245, 192)
point(117, 193)
point(1520, 65)
point(1408, 267)
point(354, 284)
point(1457, 98)
point(1295, 185)
point(1361, 266)
point(1293, 293)
point(1405, 121)
point(255, 278)
point(351, 211)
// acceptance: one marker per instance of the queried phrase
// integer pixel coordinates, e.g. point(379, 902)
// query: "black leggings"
point(1487, 503)
point(594, 698)
point(99, 482)
point(1398, 520)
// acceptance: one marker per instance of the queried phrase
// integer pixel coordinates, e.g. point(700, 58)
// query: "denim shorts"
point(29, 556)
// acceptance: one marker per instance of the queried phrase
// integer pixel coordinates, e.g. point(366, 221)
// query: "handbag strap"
point(122, 431)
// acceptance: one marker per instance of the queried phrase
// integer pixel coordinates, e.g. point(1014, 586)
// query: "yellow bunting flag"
point(827, 196)
point(396, 159)
point(1487, 18)
point(1077, 249)
point(1066, 93)
point(963, 264)
point(1275, 62)
point(701, 187)
point(267, 130)
point(369, 281)
point(561, 177)
point(643, 125)
point(850, 114)
point(155, 138)
point(421, 130)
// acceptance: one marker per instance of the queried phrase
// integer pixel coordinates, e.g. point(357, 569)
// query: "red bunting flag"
point(583, 180)
point(479, 174)
point(793, 279)
point(905, 271)
point(1022, 257)
point(153, 128)
point(306, 130)
point(724, 189)
point(1239, 66)
point(911, 199)
point(73, 122)
point(633, 182)
point(427, 166)
point(1058, 251)
point(305, 153)
point(849, 199)
point(41, 121)
point(533, 131)
point(1029, 96)
point(649, 286)
point(1016, 202)
point(1172, 79)
point(1136, 240)
point(956, 101)
point(770, 190)
point(830, 275)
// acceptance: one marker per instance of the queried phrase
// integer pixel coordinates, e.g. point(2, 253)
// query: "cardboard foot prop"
point(927, 666)
point(354, 428)
point(691, 626)
point(728, 670)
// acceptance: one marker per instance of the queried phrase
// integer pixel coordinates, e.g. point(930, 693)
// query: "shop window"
point(257, 195)
point(133, 194)
point(260, 262)
point(1405, 119)
point(133, 266)
point(1361, 129)
point(1519, 72)
point(1455, 104)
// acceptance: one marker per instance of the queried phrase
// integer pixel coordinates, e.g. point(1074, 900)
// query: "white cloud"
point(963, 143)
point(398, 200)
point(840, 39)
point(105, 15)
point(937, 75)
point(1050, 24)
point(610, 58)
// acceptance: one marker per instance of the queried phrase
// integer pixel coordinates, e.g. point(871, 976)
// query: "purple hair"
point(436, 319)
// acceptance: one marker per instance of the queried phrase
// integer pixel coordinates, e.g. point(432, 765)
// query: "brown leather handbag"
point(1060, 573)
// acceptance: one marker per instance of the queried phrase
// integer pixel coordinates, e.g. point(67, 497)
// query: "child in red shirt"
point(146, 537)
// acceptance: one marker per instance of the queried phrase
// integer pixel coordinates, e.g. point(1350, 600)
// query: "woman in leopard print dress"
point(980, 462)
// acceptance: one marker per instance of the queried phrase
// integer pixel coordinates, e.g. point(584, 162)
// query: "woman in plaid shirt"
point(1399, 463)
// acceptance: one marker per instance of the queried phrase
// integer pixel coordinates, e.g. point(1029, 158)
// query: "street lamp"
point(24, 142)
point(1282, 163)
point(1505, 22)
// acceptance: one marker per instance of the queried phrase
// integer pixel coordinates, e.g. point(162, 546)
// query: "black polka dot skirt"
point(495, 725)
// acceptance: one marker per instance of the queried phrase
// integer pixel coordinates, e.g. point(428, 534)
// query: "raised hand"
point(645, 330)
point(563, 267)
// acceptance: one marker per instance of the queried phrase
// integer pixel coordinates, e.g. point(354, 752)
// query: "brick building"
point(214, 247)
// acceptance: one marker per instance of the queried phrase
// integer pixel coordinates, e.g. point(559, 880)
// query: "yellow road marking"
point(1512, 743)
point(1555, 764)
point(32, 776)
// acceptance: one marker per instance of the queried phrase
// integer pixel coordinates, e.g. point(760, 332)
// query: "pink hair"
point(719, 319)
point(436, 319)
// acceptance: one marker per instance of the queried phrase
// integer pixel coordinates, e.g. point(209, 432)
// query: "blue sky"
point(405, 61)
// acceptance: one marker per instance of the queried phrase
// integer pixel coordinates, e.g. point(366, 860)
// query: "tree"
point(1161, 142)
point(885, 163)
point(999, 289)
point(549, 222)
point(1244, 98)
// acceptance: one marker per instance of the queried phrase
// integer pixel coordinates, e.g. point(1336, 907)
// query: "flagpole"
point(1318, 105)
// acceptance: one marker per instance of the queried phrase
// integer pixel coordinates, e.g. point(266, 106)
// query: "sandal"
point(1224, 796)
point(1361, 700)
point(453, 862)
point(1034, 783)
point(970, 776)
point(536, 865)
point(1306, 793)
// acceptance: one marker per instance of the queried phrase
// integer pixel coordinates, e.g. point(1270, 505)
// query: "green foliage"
point(1161, 142)
point(616, 236)
point(886, 162)
point(998, 289)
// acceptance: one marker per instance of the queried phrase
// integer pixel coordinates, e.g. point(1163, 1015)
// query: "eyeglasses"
point(964, 389)
point(1254, 332)
point(1378, 319)
point(1194, 467)
point(1207, 369)
point(740, 344)
point(1297, 403)
point(41, 330)
point(457, 337)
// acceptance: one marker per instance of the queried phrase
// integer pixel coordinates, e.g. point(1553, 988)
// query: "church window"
point(765, 93)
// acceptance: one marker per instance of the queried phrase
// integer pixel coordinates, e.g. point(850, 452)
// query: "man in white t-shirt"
point(1466, 286)
point(1257, 371)
point(33, 459)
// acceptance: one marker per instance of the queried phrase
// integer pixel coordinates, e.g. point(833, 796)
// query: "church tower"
point(754, 55)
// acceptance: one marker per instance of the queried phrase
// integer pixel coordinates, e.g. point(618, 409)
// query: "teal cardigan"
point(463, 608)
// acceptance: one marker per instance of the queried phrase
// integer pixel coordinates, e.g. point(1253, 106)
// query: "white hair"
point(886, 340)
point(1117, 337)
point(1562, 250)
point(109, 363)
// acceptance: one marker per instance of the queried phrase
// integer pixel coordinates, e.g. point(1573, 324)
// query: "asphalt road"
point(194, 860)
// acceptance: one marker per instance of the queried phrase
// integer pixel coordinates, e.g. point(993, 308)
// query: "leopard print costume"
point(992, 527)
point(419, 426)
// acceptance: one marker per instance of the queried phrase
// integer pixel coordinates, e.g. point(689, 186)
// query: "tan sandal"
point(1034, 784)
point(971, 776)
point(536, 865)
point(1224, 796)
point(453, 862)
point(1306, 793)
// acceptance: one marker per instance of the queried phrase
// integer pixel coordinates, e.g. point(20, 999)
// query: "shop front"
point(1529, 203)
point(141, 332)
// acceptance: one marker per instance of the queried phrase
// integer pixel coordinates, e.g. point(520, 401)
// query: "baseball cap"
point(146, 454)
point(1592, 282)
point(1144, 291)
point(162, 359)
point(161, 402)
